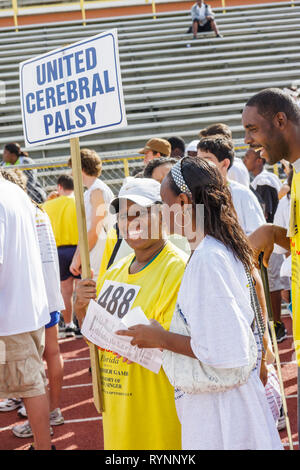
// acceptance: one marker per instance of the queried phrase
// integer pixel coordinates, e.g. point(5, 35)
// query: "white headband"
point(179, 179)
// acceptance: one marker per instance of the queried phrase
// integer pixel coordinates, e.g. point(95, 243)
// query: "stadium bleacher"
point(173, 85)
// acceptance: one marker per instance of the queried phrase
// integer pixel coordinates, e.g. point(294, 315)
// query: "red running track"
point(82, 429)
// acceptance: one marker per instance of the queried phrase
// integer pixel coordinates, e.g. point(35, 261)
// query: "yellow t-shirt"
point(139, 405)
point(294, 233)
point(110, 242)
point(62, 214)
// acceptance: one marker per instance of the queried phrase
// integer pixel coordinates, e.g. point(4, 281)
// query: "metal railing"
point(19, 6)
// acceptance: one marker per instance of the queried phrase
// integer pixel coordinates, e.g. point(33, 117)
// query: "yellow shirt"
point(139, 405)
point(62, 214)
point(294, 233)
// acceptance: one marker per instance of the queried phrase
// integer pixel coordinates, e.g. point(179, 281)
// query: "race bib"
point(117, 297)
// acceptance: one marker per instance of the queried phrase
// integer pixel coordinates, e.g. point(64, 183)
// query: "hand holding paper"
point(135, 316)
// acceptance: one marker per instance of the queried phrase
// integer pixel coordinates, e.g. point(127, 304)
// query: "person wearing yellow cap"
point(155, 148)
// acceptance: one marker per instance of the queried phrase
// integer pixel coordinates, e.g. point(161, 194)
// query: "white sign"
point(99, 327)
point(73, 91)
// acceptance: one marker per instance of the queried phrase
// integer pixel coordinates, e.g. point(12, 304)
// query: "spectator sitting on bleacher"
point(155, 148)
point(13, 155)
point(191, 150)
point(203, 19)
point(268, 185)
point(177, 147)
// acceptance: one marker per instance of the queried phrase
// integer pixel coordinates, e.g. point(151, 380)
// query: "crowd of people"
point(181, 241)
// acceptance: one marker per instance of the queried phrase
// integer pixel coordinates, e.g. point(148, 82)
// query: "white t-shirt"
point(214, 297)
point(97, 251)
point(282, 218)
point(239, 173)
point(200, 13)
point(247, 207)
point(23, 298)
point(266, 178)
point(50, 261)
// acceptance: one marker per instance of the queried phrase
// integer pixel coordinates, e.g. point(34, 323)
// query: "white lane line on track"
point(7, 428)
point(76, 386)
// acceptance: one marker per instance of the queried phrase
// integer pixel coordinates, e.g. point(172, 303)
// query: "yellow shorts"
point(22, 372)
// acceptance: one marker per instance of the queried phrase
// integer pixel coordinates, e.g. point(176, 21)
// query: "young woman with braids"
point(214, 298)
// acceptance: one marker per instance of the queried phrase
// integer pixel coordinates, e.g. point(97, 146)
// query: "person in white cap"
point(139, 405)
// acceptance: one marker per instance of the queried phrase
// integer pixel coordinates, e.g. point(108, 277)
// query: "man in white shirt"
point(203, 19)
point(220, 151)
point(24, 310)
point(155, 148)
point(191, 150)
point(238, 172)
point(268, 185)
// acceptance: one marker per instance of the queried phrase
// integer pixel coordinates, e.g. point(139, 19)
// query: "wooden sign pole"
point(85, 259)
